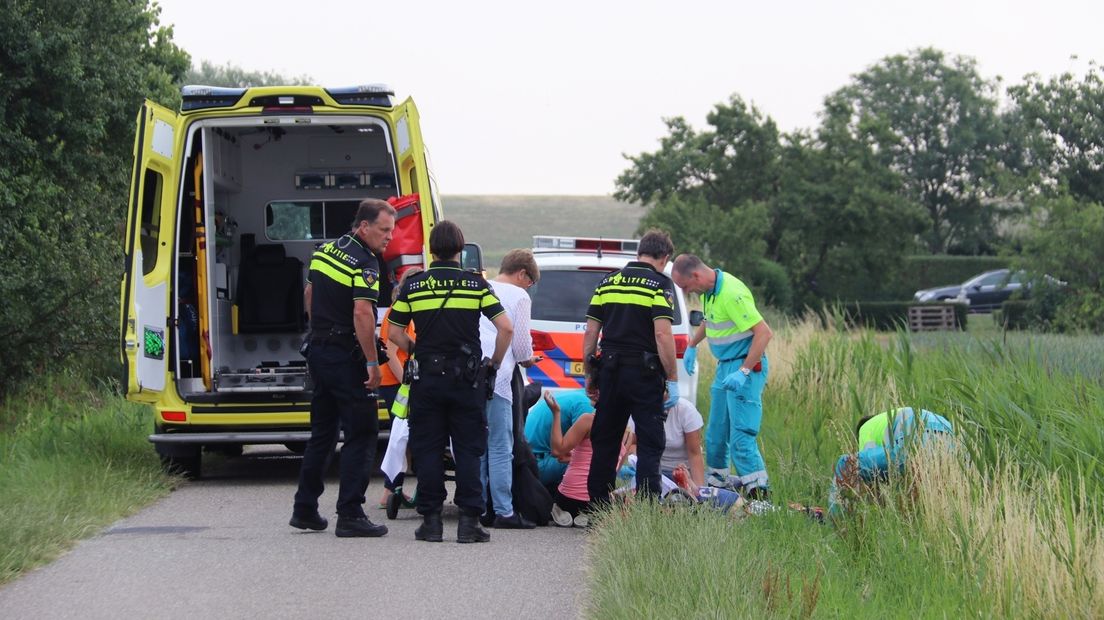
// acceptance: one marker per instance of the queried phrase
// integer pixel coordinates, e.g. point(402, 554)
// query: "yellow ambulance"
point(229, 198)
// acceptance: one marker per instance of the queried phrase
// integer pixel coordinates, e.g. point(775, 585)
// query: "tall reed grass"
point(1007, 525)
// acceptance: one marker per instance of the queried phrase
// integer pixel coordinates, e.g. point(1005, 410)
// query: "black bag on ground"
point(531, 499)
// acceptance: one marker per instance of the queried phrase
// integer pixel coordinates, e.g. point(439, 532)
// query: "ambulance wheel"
point(187, 466)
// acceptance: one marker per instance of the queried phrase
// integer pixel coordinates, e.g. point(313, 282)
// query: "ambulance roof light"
point(549, 243)
point(199, 97)
point(364, 94)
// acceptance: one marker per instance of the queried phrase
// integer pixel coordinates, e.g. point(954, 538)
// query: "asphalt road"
point(221, 547)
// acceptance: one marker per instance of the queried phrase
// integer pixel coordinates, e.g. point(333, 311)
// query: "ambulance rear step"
point(263, 379)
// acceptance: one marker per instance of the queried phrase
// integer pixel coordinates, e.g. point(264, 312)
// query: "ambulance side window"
point(151, 219)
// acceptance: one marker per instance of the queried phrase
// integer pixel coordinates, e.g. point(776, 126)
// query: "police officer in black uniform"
point(450, 393)
point(634, 309)
point(341, 296)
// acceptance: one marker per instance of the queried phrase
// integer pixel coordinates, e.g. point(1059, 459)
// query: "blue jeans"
point(734, 420)
point(497, 465)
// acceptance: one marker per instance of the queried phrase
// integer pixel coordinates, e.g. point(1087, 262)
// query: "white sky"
point(543, 98)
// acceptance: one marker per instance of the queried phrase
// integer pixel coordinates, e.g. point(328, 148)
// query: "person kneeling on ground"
point(572, 500)
point(884, 440)
point(573, 405)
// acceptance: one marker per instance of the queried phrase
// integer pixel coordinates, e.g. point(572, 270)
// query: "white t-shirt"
point(683, 418)
point(519, 308)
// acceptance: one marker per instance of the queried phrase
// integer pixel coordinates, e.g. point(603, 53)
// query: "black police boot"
point(358, 527)
point(314, 522)
point(469, 530)
point(431, 529)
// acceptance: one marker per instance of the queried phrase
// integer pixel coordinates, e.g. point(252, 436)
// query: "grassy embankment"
point(502, 223)
point(1011, 526)
point(73, 459)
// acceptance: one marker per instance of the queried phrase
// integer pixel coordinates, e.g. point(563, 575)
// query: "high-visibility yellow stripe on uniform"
point(451, 304)
point(328, 270)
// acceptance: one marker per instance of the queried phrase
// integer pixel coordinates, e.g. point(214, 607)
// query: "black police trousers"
point(626, 389)
point(340, 402)
point(443, 406)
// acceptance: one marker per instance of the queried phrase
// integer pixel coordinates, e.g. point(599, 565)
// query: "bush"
point(772, 285)
point(1013, 314)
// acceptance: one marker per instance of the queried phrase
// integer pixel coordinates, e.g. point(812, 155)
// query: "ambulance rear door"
point(145, 322)
point(414, 174)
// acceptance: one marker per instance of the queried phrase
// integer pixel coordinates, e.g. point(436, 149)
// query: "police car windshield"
point(563, 295)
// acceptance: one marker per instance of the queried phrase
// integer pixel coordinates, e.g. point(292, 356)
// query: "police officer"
point(341, 296)
point(450, 393)
point(738, 338)
point(634, 309)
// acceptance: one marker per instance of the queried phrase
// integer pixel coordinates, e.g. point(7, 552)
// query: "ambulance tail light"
point(174, 416)
point(542, 341)
point(682, 341)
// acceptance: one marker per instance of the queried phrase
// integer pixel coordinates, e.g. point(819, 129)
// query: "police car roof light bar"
point(548, 243)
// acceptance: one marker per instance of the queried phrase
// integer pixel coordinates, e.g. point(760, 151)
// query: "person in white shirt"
point(518, 272)
point(683, 431)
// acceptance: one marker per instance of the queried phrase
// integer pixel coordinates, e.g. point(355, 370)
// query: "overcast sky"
point(543, 98)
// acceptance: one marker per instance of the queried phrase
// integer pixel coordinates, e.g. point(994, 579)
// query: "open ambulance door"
point(145, 322)
point(414, 173)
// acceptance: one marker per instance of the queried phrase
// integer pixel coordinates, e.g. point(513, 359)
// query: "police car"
point(570, 269)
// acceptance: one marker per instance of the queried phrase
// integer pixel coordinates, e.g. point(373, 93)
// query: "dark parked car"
point(987, 291)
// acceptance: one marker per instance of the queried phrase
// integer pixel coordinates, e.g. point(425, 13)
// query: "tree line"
point(918, 153)
point(74, 75)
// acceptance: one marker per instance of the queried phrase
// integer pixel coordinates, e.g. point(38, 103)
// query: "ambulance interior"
point(270, 194)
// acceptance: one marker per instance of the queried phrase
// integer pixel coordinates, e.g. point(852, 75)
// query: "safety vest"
point(730, 314)
point(401, 406)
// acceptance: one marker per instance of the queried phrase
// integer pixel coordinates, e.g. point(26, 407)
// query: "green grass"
point(502, 223)
point(73, 459)
point(1009, 526)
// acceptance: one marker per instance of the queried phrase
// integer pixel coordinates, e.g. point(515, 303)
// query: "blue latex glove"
point(735, 381)
point(690, 359)
point(628, 472)
point(672, 396)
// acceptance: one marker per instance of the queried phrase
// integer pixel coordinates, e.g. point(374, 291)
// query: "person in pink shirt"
point(571, 499)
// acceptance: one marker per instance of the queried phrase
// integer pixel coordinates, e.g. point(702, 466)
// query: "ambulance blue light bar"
point(544, 243)
point(365, 94)
point(202, 97)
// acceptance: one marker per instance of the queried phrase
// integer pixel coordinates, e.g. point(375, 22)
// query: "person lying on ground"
point(884, 441)
point(683, 430)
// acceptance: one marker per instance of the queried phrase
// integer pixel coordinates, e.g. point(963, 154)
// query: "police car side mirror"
point(471, 259)
point(696, 317)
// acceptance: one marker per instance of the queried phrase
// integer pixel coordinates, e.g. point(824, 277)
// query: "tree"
point(749, 200)
point(934, 121)
point(1063, 120)
point(1069, 245)
point(231, 75)
point(74, 76)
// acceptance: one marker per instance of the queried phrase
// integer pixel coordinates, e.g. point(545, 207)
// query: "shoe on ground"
point(487, 519)
point(431, 529)
point(560, 516)
point(513, 522)
point(581, 520)
point(314, 522)
point(358, 527)
point(469, 530)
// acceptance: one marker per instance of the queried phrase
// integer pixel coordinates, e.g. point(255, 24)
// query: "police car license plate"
point(575, 369)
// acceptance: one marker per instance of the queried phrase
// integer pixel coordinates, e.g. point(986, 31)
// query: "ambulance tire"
point(186, 466)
